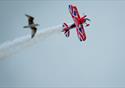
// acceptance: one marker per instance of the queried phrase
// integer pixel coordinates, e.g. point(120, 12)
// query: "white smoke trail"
point(11, 47)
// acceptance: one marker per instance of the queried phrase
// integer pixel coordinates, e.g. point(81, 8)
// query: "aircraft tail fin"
point(66, 30)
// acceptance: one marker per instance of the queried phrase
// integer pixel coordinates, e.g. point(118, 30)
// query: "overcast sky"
point(62, 62)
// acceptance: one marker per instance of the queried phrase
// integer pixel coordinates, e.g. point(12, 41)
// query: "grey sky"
point(59, 61)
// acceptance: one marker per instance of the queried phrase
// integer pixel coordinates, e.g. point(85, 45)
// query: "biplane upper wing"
point(76, 18)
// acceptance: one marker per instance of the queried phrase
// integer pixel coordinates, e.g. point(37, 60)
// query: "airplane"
point(78, 23)
point(31, 25)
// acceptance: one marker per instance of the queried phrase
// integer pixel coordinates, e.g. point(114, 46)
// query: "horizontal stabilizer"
point(66, 30)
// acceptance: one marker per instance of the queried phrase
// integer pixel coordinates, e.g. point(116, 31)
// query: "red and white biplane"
point(78, 23)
